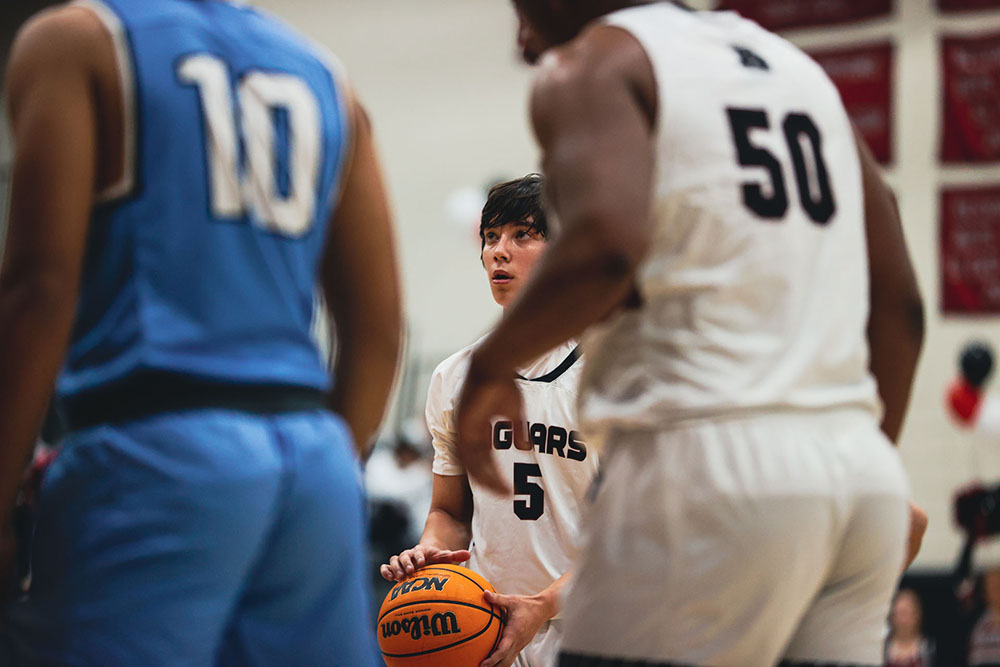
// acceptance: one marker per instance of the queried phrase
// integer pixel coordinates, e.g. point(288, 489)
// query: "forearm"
point(896, 312)
point(34, 327)
point(551, 597)
point(578, 283)
point(364, 372)
point(895, 337)
point(444, 531)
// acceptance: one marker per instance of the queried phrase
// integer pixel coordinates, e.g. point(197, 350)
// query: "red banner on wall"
point(788, 14)
point(970, 250)
point(960, 5)
point(971, 99)
point(864, 77)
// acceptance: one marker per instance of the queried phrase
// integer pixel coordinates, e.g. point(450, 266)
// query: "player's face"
point(510, 253)
point(905, 616)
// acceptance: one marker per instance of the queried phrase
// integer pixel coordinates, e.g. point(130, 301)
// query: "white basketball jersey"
point(524, 543)
point(755, 286)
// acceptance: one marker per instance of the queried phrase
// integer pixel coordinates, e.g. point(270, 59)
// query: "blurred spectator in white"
point(398, 480)
point(984, 644)
point(400, 475)
point(906, 645)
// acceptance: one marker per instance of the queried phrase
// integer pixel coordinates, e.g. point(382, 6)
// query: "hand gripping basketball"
point(524, 616)
point(405, 564)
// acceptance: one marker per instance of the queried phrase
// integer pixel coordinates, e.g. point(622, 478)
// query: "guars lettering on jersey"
point(552, 440)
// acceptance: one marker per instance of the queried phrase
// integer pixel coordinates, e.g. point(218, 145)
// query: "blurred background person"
point(906, 645)
point(984, 643)
point(399, 481)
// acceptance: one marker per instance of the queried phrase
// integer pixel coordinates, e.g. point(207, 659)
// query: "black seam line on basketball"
point(463, 604)
point(441, 648)
point(554, 374)
point(435, 568)
point(496, 641)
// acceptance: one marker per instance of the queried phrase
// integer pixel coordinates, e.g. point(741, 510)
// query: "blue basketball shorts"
point(208, 537)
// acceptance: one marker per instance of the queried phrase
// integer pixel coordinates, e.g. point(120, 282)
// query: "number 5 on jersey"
point(532, 508)
point(263, 98)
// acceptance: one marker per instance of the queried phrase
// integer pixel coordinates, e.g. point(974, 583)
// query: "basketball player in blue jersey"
point(186, 171)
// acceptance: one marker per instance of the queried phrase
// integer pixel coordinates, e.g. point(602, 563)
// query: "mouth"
point(499, 277)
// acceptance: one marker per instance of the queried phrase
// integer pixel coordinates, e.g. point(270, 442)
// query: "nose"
point(501, 249)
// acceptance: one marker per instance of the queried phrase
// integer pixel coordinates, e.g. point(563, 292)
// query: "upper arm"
point(597, 138)
point(359, 273)
point(890, 269)
point(51, 96)
point(453, 495)
point(439, 415)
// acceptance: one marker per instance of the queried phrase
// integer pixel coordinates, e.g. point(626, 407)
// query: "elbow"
point(372, 334)
point(916, 320)
point(615, 254)
point(50, 294)
point(612, 268)
point(897, 323)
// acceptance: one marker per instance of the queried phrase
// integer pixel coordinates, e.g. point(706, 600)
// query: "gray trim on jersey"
point(126, 77)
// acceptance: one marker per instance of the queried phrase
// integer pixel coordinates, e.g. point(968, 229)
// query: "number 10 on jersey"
point(255, 188)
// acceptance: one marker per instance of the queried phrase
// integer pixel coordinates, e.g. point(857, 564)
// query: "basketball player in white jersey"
point(523, 545)
point(752, 318)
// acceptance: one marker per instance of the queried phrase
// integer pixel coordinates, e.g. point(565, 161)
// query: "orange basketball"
point(438, 618)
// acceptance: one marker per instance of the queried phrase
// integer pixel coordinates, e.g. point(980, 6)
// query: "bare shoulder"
point(601, 59)
point(64, 39)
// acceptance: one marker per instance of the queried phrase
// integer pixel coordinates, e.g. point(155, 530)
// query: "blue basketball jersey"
point(204, 260)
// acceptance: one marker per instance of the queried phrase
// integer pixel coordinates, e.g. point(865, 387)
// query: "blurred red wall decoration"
point(864, 77)
point(788, 14)
point(970, 250)
point(960, 5)
point(971, 68)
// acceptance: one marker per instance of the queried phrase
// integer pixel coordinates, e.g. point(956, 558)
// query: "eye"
point(524, 234)
point(490, 237)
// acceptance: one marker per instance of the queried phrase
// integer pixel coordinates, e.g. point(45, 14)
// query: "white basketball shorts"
point(543, 649)
point(742, 542)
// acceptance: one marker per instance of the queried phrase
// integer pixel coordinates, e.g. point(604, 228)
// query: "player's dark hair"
point(519, 200)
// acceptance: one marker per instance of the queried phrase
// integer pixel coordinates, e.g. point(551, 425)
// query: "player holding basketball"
point(185, 172)
point(706, 175)
point(523, 546)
